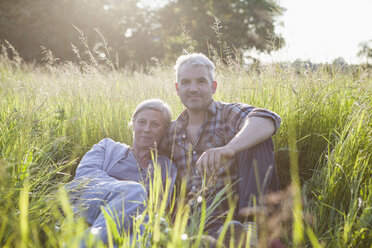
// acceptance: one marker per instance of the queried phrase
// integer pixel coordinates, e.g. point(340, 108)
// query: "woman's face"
point(148, 128)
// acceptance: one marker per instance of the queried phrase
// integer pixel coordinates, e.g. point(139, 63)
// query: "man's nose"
point(193, 87)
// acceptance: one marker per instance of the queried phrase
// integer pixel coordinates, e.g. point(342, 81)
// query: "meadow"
point(51, 115)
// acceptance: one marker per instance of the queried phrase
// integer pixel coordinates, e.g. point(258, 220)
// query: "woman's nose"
point(147, 129)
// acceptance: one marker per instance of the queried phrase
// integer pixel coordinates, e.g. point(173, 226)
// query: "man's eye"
point(185, 82)
point(141, 122)
point(155, 124)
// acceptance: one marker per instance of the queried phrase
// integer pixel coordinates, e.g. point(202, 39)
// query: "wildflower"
point(360, 202)
point(95, 230)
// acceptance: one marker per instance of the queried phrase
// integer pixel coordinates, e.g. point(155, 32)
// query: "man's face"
point(195, 87)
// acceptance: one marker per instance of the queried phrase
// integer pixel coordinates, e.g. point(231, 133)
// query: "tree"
point(31, 24)
point(339, 62)
point(135, 32)
point(28, 25)
point(243, 24)
point(365, 51)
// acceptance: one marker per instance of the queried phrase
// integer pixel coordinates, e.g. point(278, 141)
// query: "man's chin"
point(147, 144)
point(195, 108)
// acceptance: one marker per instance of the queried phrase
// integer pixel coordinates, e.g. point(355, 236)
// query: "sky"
point(319, 30)
point(323, 30)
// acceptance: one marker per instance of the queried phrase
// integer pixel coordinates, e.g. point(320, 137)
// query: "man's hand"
point(211, 160)
point(254, 131)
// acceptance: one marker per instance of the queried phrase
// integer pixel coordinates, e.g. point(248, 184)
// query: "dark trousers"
point(257, 173)
point(257, 176)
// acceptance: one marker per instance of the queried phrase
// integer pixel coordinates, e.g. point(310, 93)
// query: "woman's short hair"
point(154, 104)
point(195, 59)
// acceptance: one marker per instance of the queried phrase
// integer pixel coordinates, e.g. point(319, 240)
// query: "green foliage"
point(50, 116)
point(28, 25)
point(365, 51)
point(133, 30)
point(237, 24)
point(339, 187)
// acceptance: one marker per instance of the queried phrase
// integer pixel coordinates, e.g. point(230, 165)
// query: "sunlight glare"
point(151, 4)
point(321, 31)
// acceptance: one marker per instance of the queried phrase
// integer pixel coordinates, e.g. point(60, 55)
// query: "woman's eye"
point(155, 124)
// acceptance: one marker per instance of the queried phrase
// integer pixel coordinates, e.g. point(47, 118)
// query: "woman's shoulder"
point(113, 150)
point(110, 143)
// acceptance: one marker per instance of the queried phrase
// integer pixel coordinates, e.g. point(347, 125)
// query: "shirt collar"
point(212, 108)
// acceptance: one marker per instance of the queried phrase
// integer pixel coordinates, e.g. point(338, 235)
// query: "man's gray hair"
point(154, 104)
point(195, 59)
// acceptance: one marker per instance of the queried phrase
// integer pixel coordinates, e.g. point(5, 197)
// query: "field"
point(51, 115)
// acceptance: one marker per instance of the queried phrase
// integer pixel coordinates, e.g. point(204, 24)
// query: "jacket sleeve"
point(90, 171)
point(91, 166)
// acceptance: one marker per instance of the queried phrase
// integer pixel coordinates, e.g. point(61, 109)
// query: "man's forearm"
point(254, 131)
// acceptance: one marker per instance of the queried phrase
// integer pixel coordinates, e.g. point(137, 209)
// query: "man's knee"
point(138, 190)
point(260, 153)
point(256, 172)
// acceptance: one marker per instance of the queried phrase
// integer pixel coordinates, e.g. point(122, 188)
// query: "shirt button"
point(183, 136)
point(194, 152)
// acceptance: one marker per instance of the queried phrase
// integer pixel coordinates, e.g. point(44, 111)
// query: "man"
point(220, 142)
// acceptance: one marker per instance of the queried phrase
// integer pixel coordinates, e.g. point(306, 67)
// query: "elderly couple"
point(220, 142)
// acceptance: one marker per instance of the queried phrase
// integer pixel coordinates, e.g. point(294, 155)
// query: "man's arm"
point(254, 131)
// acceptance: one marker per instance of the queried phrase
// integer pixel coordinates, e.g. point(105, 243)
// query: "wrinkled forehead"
point(191, 70)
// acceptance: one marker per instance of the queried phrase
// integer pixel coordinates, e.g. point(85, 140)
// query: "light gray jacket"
point(95, 164)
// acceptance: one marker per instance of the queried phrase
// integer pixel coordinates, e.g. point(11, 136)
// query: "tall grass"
point(51, 115)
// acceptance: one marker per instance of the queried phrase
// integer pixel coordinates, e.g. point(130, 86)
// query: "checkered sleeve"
point(237, 113)
point(260, 112)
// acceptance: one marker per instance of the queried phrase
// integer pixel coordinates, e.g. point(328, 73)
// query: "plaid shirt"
point(222, 123)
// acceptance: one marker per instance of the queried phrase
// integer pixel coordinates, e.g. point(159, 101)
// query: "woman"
point(116, 176)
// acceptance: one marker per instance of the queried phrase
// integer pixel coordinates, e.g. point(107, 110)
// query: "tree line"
point(133, 31)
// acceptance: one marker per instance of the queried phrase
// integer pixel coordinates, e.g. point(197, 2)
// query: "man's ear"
point(214, 87)
point(176, 85)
